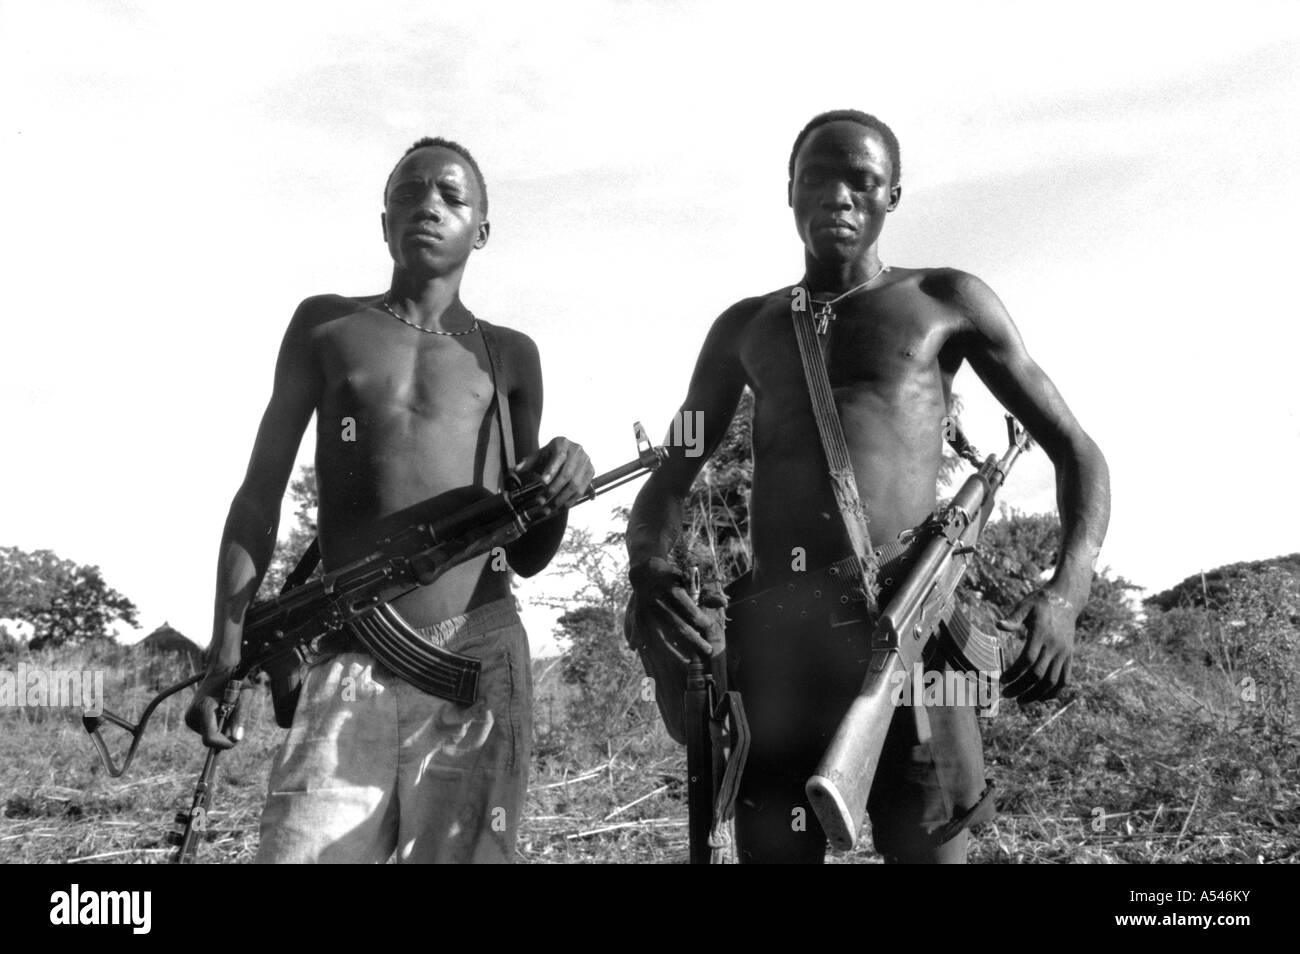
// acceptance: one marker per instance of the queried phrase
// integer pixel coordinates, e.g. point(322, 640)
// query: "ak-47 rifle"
point(281, 632)
point(838, 790)
point(717, 744)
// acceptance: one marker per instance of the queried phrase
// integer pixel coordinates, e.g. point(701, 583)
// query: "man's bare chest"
point(383, 370)
point(883, 343)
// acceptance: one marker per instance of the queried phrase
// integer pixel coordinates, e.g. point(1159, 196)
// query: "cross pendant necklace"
point(826, 315)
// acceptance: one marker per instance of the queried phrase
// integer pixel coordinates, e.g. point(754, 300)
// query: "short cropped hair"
point(455, 147)
point(862, 119)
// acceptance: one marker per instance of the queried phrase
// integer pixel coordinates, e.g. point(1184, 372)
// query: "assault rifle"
point(282, 632)
point(717, 744)
point(838, 790)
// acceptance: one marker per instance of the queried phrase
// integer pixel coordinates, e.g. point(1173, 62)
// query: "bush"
point(1015, 552)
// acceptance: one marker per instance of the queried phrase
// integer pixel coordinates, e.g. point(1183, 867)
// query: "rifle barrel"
point(699, 761)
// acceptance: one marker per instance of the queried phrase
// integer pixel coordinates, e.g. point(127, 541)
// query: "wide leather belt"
point(829, 601)
point(831, 594)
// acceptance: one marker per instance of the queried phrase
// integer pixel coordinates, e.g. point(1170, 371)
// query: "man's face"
point(841, 192)
point(432, 219)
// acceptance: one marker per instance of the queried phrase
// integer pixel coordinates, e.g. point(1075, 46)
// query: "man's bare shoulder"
point(509, 337)
point(738, 316)
point(516, 348)
point(749, 307)
point(320, 309)
point(954, 287)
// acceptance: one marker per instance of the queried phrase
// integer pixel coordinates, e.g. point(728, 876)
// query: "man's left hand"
point(1046, 619)
point(564, 468)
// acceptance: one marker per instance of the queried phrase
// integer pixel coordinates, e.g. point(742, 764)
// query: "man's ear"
point(895, 196)
point(383, 225)
point(484, 230)
point(789, 193)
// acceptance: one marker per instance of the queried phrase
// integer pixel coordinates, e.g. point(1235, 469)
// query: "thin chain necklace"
point(428, 331)
point(827, 313)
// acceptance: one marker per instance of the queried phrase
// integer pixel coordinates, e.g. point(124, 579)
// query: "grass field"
point(1135, 764)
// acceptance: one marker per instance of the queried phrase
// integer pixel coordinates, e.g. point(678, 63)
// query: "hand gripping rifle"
point(838, 790)
point(281, 632)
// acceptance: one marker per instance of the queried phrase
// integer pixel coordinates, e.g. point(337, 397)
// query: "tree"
point(603, 672)
point(1229, 617)
point(1213, 588)
point(287, 552)
point(65, 603)
point(715, 516)
point(715, 519)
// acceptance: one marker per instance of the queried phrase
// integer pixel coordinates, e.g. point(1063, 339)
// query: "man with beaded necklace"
point(892, 338)
point(406, 389)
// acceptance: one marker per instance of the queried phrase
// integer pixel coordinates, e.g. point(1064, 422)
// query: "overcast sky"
point(177, 178)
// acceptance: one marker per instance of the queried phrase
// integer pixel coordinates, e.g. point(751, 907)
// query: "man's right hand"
point(201, 716)
point(665, 613)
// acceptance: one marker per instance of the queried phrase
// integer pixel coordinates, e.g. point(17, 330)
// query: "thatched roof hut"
point(168, 642)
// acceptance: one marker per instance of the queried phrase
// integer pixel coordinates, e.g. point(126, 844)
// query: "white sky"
point(174, 181)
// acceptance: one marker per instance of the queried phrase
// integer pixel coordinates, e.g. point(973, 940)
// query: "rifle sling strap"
point(502, 397)
point(982, 811)
point(843, 482)
point(306, 564)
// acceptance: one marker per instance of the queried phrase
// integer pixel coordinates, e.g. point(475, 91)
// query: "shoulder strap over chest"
point(831, 432)
point(491, 344)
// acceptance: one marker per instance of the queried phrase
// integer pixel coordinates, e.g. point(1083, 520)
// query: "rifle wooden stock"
point(839, 789)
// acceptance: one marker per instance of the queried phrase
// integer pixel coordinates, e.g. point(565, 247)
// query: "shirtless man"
point(407, 430)
point(892, 351)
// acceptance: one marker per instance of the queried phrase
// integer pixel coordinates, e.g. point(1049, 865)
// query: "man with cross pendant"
point(893, 338)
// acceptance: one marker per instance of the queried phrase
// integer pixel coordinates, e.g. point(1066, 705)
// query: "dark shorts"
point(798, 656)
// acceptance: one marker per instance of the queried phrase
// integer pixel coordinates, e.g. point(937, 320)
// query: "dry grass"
point(1172, 763)
point(1136, 765)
